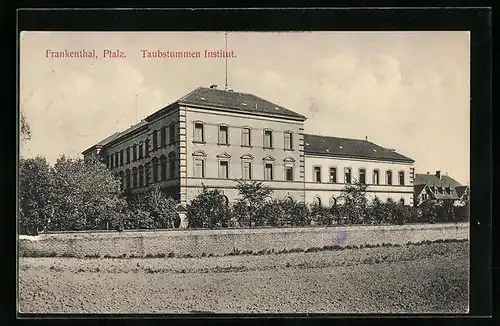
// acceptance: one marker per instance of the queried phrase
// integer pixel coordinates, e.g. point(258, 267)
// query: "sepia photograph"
point(228, 172)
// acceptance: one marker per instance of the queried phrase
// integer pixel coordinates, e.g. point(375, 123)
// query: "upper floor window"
point(199, 168)
point(155, 169)
point(148, 149)
point(288, 172)
point(317, 174)
point(141, 176)
point(362, 176)
point(388, 176)
point(376, 177)
point(347, 175)
point(288, 140)
point(117, 162)
point(245, 137)
point(223, 135)
point(247, 170)
point(401, 178)
point(110, 161)
point(163, 137)
point(268, 139)
point(171, 130)
point(199, 132)
point(223, 169)
point(155, 140)
point(163, 168)
point(333, 175)
point(141, 153)
point(268, 171)
point(121, 157)
point(134, 153)
point(128, 155)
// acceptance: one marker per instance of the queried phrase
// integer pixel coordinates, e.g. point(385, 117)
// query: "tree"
point(355, 202)
point(25, 128)
point(35, 195)
point(209, 209)
point(86, 195)
point(378, 211)
point(249, 207)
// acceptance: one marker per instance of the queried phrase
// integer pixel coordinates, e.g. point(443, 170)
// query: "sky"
point(408, 91)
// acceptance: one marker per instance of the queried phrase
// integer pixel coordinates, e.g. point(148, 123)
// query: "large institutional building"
point(215, 137)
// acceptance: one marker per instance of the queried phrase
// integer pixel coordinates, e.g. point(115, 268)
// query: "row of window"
point(246, 136)
point(142, 150)
point(348, 178)
point(158, 170)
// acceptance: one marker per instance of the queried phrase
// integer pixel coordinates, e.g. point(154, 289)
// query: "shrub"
point(208, 210)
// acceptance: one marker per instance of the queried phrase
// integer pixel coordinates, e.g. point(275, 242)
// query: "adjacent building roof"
point(117, 135)
point(461, 190)
point(230, 100)
point(434, 180)
point(356, 148)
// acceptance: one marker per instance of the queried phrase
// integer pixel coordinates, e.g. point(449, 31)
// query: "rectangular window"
point(317, 174)
point(171, 165)
point(223, 135)
point(148, 149)
point(121, 157)
point(362, 176)
point(155, 140)
point(268, 171)
point(198, 132)
point(110, 161)
point(289, 173)
point(288, 140)
point(247, 170)
point(134, 153)
point(333, 175)
point(116, 160)
point(401, 178)
point(268, 139)
point(389, 177)
point(128, 155)
point(199, 168)
point(376, 180)
point(347, 175)
point(245, 137)
point(223, 169)
point(141, 153)
point(171, 136)
point(163, 137)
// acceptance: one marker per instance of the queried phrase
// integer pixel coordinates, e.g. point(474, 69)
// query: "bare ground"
point(425, 278)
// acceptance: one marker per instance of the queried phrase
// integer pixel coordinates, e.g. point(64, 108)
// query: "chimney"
point(366, 138)
point(427, 172)
point(438, 174)
point(213, 86)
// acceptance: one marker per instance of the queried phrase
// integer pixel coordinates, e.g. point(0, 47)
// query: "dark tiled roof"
point(433, 179)
point(335, 146)
point(117, 135)
point(417, 189)
point(231, 100)
point(460, 190)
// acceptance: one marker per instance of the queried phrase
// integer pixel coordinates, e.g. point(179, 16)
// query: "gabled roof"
point(433, 179)
point(236, 101)
point(356, 148)
point(461, 190)
point(417, 189)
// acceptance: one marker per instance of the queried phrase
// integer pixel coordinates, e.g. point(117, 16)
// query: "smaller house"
point(439, 188)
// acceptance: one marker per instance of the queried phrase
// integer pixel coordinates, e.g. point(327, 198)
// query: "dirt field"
point(414, 278)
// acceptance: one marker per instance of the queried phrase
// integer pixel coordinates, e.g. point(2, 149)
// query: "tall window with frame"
point(288, 140)
point(110, 161)
point(128, 155)
point(376, 177)
point(388, 177)
point(141, 176)
point(171, 133)
point(163, 137)
point(117, 161)
point(134, 153)
point(268, 171)
point(198, 132)
point(347, 175)
point(333, 175)
point(223, 169)
point(268, 139)
point(134, 177)
point(147, 173)
point(246, 170)
point(172, 168)
point(155, 140)
point(163, 168)
point(155, 169)
point(246, 137)
point(148, 147)
point(141, 151)
point(199, 168)
point(223, 135)
point(288, 172)
point(362, 176)
point(121, 157)
point(317, 174)
point(401, 178)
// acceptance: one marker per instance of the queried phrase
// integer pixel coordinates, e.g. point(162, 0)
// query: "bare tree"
point(25, 128)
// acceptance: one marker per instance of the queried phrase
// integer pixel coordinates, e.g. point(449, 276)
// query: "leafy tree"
point(378, 212)
point(355, 202)
point(429, 211)
point(86, 195)
point(249, 207)
point(35, 190)
point(25, 128)
point(209, 209)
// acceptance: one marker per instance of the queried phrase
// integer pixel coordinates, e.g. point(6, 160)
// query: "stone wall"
point(222, 242)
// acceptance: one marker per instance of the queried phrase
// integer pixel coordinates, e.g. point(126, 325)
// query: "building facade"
point(437, 187)
point(214, 137)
